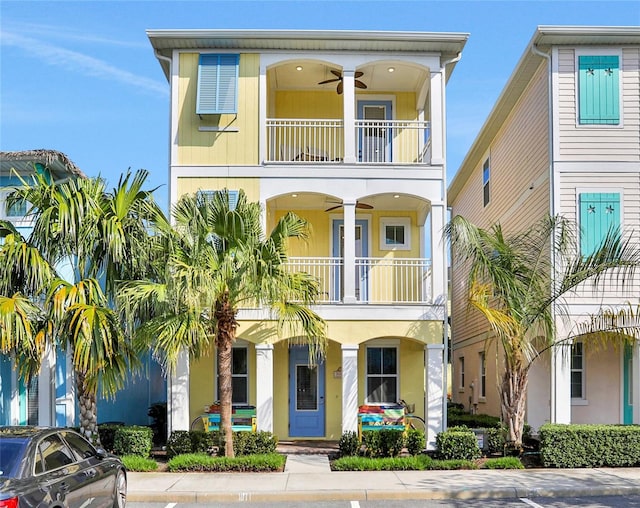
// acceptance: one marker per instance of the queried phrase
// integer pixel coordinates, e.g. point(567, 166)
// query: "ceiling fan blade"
point(333, 208)
point(336, 73)
point(358, 74)
point(328, 81)
point(339, 90)
point(364, 206)
point(360, 84)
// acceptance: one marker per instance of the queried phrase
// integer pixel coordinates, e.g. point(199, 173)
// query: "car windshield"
point(10, 456)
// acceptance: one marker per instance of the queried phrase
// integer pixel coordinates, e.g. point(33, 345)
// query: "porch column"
point(262, 114)
point(264, 386)
point(437, 117)
point(178, 395)
point(561, 383)
point(635, 383)
point(46, 389)
point(349, 282)
point(349, 388)
point(349, 101)
point(438, 256)
point(434, 401)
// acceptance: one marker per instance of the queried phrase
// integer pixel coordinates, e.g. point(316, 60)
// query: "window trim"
point(582, 400)
point(598, 52)
point(404, 222)
point(382, 345)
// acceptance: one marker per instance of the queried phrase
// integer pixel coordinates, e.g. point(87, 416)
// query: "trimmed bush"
point(371, 443)
point(139, 464)
point(201, 441)
point(179, 443)
point(107, 433)
point(383, 443)
point(415, 441)
point(589, 445)
point(133, 440)
point(206, 463)
point(457, 444)
point(349, 444)
point(473, 421)
point(494, 439)
point(503, 463)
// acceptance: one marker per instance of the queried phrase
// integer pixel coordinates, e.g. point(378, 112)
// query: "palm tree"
point(104, 237)
point(519, 284)
point(218, 260)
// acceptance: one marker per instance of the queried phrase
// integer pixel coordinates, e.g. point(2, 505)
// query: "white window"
point(382, 375)
point(461, 370)
point(577, 371)
point(395, 233)
point(486, 177)
point(483, 375)
point(239, 376)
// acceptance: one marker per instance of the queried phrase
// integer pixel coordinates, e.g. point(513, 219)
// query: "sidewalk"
point(307, 478)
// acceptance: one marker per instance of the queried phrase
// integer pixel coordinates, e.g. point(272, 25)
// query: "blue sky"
point(80, 76)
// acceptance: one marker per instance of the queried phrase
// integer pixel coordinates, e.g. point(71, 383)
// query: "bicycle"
point(413, 421)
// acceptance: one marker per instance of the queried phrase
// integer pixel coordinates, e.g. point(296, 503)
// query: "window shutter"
point(217, 84)
point(233, 196)
point(599, 89)
point(599, 212)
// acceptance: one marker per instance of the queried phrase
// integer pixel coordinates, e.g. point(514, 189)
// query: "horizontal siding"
point(604, 143)
point(519, 188)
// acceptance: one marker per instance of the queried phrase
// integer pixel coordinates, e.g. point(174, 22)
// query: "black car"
point(57, 467)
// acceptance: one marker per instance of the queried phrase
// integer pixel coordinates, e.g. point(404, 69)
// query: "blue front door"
point(306, 395)
point(627, 406)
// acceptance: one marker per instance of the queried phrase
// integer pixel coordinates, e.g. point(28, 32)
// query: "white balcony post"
point(437, 117)
point(178, 395)
point(434, 400)
point(561, 383)
point(349, 388)
point(264, 387)
point(349, 262)
point(438, 255)
point(349, 100)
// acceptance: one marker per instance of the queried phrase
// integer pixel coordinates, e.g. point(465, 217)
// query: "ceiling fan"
point(338, 78)
point(361, 206)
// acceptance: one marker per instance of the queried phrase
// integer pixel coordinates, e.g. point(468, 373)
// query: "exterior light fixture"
point(396, 196)
point(299, 68)
point(294, 195)
point(391, 69)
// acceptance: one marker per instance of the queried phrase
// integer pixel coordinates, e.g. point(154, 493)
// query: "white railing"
point(293, 140)
point(378, 280)
point(392, 141)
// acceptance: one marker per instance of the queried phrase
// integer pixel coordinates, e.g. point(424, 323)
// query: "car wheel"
point(121, 490)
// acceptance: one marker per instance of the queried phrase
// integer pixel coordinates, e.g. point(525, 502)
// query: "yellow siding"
point(308, 104)
point(218, 148)
point(251, 186)
point(202, 376)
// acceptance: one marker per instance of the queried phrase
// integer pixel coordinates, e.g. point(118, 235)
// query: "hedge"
point(472, 421)
point(133, 440)
point(457, 444)
point(589, 445)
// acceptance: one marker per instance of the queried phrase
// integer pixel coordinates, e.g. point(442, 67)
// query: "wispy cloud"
point(77, 62)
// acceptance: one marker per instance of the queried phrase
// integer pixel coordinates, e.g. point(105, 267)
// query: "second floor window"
point(598, 90)
point(486, 176)
point(217, 84)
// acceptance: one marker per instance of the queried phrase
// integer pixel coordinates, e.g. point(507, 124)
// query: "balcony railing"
point(322, 141)
point(378, 280)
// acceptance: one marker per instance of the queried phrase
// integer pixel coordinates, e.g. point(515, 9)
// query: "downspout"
point(445, 322)
point(552, 209)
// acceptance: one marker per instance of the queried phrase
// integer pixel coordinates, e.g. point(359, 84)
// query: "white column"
point(635, 383)
point(349, 101)
point(434, 401)
point(561, 383)
point(438, 255)
point(437, 118)
point(349, 388)
point(349, 282)
point(264, 386)
point(262, 115)
point(178, 395)
point(46, 389)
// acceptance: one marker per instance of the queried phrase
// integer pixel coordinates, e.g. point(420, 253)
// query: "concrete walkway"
point(307, 477)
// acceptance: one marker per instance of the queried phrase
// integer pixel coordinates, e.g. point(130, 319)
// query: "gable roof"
point(543, 39)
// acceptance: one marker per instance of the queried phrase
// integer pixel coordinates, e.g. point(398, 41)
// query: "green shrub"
point(417, 463)
point(139, 464)
point(589, 445)
point(415, 441)
point(201, 441)
point(349, 444)
point(457, 444)
point(133, 440)
point(254, 443)
point(383, 443)
point(179, 443)
point(473, 421)
point(371, 443)
point(206, 463)
point(503, 463)
point(494, 439)
point(107, 433)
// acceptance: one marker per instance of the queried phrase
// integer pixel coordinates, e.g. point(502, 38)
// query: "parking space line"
point(170, 505)
point(355, 504)
point(530, 503)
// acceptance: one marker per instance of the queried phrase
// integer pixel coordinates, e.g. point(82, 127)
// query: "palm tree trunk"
point(88, 411)
point(226, 335)
point(513, 398)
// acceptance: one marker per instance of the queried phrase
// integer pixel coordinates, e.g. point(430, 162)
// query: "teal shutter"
point(599, 89)
point(599, 213)
point(217, 84)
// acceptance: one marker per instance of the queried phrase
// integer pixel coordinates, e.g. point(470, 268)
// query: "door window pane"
point(306, 388)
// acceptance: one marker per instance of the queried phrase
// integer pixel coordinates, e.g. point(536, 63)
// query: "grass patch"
point(413, 463)
point(202, 462)
point(451, 464)
point(503, 463)
point(139, 464)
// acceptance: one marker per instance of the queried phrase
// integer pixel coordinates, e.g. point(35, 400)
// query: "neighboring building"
point(562, 139)
point(347, 129)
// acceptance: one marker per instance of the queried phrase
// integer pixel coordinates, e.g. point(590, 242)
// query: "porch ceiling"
point(314, 201)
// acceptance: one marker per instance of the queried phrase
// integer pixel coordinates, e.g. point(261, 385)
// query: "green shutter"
point(599, 89)
point(599, 213)
point(217, 84)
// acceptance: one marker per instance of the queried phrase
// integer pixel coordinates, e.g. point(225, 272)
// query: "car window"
point(11, 451)
point(55, 453)
point(79, 445)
